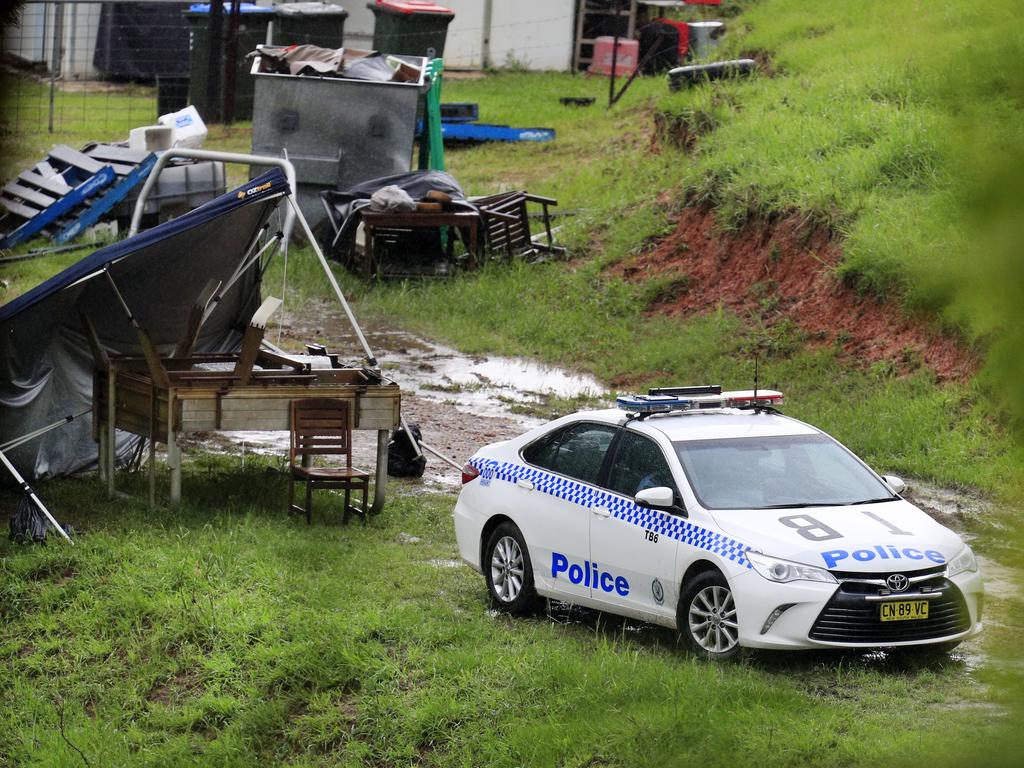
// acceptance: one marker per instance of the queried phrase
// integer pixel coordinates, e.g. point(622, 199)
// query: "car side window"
point(577, 451)
point(639, 464)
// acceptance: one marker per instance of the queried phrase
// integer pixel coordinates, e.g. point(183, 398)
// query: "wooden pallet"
point(69, 191)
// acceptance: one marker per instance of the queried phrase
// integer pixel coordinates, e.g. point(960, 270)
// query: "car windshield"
point(777, 472)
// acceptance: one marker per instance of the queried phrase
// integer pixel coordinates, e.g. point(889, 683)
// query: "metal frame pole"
point(224, 157)
point(25, 487)
point(371, 359)
point(11, 444)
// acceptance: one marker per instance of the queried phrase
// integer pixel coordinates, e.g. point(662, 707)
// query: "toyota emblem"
point(897, 582)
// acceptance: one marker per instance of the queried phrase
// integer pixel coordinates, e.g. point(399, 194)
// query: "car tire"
point(509, 571)
point(706, 617)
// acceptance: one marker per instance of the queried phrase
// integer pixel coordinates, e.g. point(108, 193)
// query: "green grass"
point(898, 423)
point(226, 633)
point(22, 276)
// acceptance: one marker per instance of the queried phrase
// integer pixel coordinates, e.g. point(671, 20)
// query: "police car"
point(712, 513)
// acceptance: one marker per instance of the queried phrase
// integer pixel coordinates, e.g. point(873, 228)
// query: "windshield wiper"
point(804, 504)
point(872, 501)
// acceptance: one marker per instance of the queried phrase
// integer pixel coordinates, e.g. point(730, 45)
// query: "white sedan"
point(716, 515)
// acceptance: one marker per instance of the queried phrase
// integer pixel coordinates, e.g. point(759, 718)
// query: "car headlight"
point(776, 569)
point(964, 562)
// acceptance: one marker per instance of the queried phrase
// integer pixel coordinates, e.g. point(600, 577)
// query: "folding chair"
point(322, 427)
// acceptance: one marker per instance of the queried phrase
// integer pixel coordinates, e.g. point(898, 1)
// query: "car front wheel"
point(707, 616)
point(509, 571)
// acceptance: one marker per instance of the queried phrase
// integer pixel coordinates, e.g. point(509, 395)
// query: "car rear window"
point(576, 451)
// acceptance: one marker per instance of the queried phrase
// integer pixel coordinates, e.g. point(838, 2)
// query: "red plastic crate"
point(626, 61)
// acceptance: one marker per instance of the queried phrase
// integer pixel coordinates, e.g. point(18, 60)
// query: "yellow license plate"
point(905, 610)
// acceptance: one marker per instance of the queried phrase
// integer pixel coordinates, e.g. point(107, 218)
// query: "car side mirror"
point(661, 498)
point(896, 485)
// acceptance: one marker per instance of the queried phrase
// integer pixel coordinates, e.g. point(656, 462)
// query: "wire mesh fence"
point(90, 67)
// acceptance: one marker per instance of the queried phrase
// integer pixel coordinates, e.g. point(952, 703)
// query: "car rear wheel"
point(707, 616)
point(509, 571)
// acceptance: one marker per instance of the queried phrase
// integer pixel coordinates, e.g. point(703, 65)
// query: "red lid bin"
point(410, 27)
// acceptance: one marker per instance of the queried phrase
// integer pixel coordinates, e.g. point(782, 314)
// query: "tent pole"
point(246, 263)
point(32, 495)
point(334, 283)
point(380, 484)
point(41, 431)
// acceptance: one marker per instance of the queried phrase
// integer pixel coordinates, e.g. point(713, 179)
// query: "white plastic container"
point(189, 128)
point(151, 138)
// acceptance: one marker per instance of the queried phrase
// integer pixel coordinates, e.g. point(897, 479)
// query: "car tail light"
point(469, 473)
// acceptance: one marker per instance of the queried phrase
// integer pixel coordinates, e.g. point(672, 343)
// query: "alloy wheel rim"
point(507, 569)
point(712, 619)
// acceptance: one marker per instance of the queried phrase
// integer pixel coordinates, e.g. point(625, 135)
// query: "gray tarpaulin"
point(46, 367)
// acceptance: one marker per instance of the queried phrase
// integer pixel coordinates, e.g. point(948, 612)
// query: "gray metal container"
point(704, 37)
point(337, 132)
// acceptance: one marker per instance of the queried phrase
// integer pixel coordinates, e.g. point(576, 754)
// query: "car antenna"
point(756, 408)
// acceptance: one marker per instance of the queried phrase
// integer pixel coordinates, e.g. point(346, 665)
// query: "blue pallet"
point(487, 132)
point(106, 201)
point(93, 185)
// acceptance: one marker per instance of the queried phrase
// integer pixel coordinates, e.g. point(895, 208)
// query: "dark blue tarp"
point(46, 366)
point(271, 183)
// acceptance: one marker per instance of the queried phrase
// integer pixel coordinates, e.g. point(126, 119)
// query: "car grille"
point(850, 617)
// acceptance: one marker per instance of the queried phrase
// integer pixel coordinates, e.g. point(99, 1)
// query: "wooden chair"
point(506, 223)
point(322, 427)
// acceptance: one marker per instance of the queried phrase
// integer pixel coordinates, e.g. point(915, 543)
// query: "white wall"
point(32, 39)
point(536, 34)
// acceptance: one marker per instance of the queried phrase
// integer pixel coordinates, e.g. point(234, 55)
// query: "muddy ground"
point(785, 269)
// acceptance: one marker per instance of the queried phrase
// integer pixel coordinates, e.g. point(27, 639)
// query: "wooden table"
point(461, 221)
point(192, 399)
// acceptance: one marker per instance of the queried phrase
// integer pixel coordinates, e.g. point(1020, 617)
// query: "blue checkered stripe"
point(623, 509)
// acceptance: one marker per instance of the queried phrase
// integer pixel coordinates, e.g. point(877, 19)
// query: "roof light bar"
point(661, 401)
point(746, 397)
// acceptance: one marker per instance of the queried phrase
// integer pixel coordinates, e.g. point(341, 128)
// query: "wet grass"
point(226, 633)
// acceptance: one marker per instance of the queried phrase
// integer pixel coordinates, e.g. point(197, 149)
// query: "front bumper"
point(847, 615)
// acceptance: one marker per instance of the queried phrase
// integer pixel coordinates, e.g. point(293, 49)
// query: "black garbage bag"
point(28, 525)
point(402, 458)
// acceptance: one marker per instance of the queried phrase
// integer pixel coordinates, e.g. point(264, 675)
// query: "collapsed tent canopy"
point(46, 363)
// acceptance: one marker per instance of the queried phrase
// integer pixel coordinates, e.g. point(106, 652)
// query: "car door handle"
point(602, 511)
point(524, 483)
